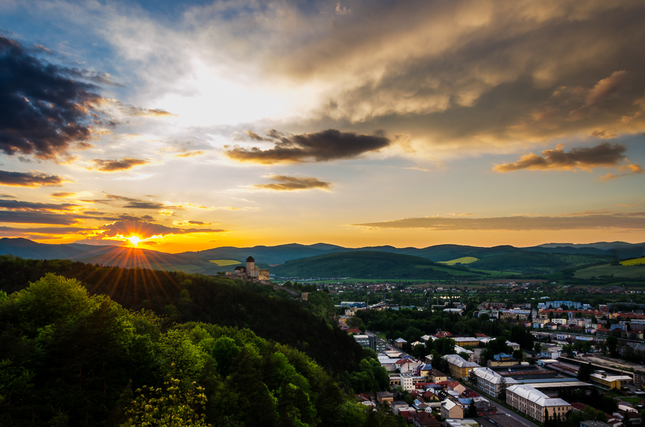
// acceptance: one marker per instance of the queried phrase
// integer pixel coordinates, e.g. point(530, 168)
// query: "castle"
point(250, 273)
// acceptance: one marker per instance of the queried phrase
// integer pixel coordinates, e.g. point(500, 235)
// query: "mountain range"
point(553, 256)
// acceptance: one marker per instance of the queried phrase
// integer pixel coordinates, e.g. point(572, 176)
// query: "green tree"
point(585, 371)
point(173, 405)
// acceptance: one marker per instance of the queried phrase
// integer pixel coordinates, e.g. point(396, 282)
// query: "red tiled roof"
point(579, 406)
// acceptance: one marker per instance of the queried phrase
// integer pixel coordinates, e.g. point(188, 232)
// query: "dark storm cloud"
point(35, 217)
point(35, 206)
point(629, 221)
point(29, 179)
point(45, 230)
point(291, 183)
point(604, 155)
point(480, 74)
point(326, 145)
point(116, 165)
point(44, 108)
point(145, 229)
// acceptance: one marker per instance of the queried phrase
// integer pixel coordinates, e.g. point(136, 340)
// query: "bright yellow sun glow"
point(134, 240)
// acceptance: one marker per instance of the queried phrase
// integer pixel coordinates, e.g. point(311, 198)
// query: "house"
point(437, 376)
point(423, 419)
point(515, 346)
point(451, 409)
point(399, 342)
point(384, 397)
point(407, 366)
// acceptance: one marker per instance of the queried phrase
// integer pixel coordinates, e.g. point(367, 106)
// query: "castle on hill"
point(250, 273)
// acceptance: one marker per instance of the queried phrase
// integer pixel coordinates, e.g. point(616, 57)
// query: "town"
point(575, 362)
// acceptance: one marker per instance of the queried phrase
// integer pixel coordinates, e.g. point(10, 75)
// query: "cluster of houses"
point(431, 391)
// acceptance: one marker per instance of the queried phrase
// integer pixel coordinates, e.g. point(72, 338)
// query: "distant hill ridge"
point(494, 258)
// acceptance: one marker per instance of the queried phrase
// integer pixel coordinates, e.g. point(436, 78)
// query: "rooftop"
point(531, 394)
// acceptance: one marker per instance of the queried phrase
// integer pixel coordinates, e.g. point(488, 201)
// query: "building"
point(502, 359)
point(490, 382)
point(363, 340)
point(609, 382)
point(594, 424)
point(437, 376)
point(466, 341)
point(515, 314)
point(399, 342)
point(250, 272)
point(451, 409)
point(459, 368)
point(534, 403)
point(384, 397)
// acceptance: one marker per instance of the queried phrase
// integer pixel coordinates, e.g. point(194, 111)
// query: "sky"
point(183, 126)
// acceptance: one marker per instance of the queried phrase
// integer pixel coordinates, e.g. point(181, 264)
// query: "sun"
point(134, 240)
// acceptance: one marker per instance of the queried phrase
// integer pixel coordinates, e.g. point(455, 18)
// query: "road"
point(509, 413)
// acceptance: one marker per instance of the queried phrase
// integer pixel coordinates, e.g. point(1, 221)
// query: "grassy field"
point(638, 261)
point(224, 262)
point(627, 272)
point(462, 260)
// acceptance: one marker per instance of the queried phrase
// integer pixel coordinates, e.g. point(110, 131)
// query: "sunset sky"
point(186, 125)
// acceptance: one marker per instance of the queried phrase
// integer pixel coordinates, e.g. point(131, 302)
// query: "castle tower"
point(250, 267)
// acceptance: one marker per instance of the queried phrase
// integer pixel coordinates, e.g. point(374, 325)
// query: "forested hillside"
point(119, 345)
point(181, 298)
point(69, 358)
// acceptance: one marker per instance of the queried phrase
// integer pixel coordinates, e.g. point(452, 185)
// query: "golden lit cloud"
point(602, 155)
point(292, 183)
point(626, 221)
point(116, 165)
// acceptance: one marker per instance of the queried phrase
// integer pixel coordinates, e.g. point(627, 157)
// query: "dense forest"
point(85, 345)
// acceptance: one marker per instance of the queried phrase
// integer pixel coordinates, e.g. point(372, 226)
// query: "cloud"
point(631, 169)
point(7, 196)
point(189, 154)
point(28, 206)
point(117, 165)
point(35, 217)
point(62, 194)
point(144, 112)
point(145, 205)
point(30, 179)
point(146, 229)
point(326, 145)
point(625, 221)
point(602, 155)
point(184, 223)
point(46, 230)
point(44, 108)
point(291, 183)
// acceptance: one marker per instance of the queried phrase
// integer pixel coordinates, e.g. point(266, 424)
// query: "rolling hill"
point(364, 264)
point(538, 259)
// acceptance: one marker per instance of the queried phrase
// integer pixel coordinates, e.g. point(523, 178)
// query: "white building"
point(534, 403)
point(490, 382)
